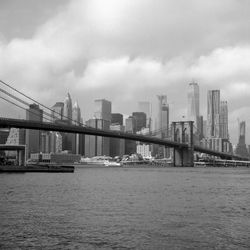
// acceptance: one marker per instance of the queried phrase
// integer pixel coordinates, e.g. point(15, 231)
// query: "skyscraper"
point(117, 146)
point(76, 114)
point(97, 145)
point(33, 137)
point(193, 108)
point(140, 119)
point(57, 111)
point(146, 108)
point(102, 109)
point(224, 120)
point(241, 148)
point(67, 109)
point(163, 116)
point(130, 146)
point(117, 118)
point(77, 139)
point(213, 113)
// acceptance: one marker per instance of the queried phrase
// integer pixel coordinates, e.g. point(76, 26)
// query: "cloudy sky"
point(127, 51)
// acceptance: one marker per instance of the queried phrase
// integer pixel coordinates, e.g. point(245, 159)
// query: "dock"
point(37, 169)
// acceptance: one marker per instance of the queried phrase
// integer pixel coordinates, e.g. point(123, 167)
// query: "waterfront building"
point(163, 116)
point(224, 120)
point(144, 150)
point(140, 120)
point(16, 137)
point(117, 118)
point(4, 134)
point(56, 158)
point(97, 145)
point(67, 109)
point(102, 110)
point(241, 148)
point(213, 113)
point(117, 146)
point(57, 111)
point(33, 137)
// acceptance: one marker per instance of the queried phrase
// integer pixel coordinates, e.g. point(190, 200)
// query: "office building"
point(97, 145)
point(102, 110)
point(76, 114)
point(16, 137)
point(193, 108)
point(67, 109)
point(45, 142)
point(224, 120)
point(78, 139)
point(241, 148)
point(140, 120)
point(130, 146)
point(213, 113)
point(4, 134)
point(33, 137)
point(144, 150)
point(204, 130)
point(130, 125)
point(117, 146)
point(57, 111)
point(145, 107)
point(117, 118)
point(163, 117)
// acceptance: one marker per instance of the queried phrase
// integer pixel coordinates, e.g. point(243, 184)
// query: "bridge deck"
point(18, 123)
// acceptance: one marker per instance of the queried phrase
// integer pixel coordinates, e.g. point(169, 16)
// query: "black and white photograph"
point(125, 124)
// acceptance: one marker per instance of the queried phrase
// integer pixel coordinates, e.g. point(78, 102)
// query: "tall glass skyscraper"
point(76, 114)
point(67, 110)
point(241, 148)
point(213, 113)
point(163, 116)
point(193, 109)
point(224, 120)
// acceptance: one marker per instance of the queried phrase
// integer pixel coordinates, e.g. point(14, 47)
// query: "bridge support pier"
point(183, 132)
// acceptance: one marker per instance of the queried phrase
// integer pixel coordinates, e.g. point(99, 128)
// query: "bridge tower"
point(182, 132)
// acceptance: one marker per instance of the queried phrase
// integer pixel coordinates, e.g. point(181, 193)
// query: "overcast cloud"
point(127, 51)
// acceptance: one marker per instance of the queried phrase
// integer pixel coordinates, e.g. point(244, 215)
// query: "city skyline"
point(106, 52)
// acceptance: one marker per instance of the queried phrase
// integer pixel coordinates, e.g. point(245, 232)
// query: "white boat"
point(112, 164)
point(96, 160)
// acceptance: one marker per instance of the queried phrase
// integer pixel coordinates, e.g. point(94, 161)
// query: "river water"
point(126, 208)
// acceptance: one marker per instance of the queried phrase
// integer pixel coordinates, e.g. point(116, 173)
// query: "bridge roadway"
point(18, 123)
point(46, 126)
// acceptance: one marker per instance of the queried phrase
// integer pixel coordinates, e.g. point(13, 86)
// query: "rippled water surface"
point(126, 208)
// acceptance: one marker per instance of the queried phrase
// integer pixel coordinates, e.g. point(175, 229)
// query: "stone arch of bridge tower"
point(183, 132)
